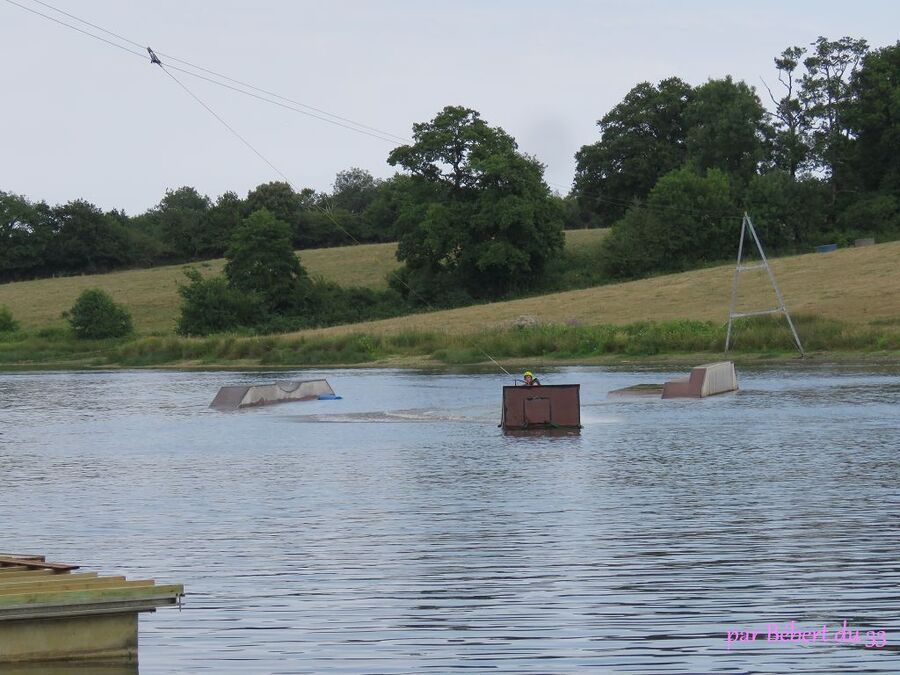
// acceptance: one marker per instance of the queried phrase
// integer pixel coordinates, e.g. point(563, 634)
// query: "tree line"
point(677, 164)
point(673, 169)
point(38, 240)
point(473, 218)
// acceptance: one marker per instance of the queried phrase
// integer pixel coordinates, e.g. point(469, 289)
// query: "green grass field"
point(151, 294)
point(847, 301)
point(853, 285)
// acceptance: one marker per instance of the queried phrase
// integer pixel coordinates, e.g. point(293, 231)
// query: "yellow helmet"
point(528, 373)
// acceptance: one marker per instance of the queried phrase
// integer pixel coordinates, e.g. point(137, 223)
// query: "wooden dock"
point(51, 612)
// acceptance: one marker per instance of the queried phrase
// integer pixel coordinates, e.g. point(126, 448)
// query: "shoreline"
point(642, 344)
point(863, 360)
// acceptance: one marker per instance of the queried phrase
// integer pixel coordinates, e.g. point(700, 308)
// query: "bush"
point(872, 214)
point(213, 306)
point(787, 214)
point(95, 316)
point(7, 323)
point(261, 260)
point(332, 304)
point(688, 220)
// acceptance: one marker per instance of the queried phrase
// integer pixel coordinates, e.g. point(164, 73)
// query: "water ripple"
point(399, 531)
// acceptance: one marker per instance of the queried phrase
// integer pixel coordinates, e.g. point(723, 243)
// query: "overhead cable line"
point(76, 28)
point(224, 123)
point(293, 105)
point(170, 57)
point(155, 60)
point(283, 105)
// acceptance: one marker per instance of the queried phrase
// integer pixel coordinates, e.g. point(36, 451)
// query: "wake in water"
point(413, 415)
point(430, 415)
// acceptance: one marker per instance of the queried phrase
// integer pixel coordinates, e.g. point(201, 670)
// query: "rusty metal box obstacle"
point(548, 406)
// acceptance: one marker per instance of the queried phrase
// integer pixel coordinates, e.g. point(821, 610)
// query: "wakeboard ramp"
point(549, 406)
point(245, 396)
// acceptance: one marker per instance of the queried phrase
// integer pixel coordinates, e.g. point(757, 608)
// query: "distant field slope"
point(855, 285)
point(151, 294)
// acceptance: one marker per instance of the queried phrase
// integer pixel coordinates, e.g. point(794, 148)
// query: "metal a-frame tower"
point(747, 224)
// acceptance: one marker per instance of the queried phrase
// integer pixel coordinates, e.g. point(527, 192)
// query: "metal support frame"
point(746, 224)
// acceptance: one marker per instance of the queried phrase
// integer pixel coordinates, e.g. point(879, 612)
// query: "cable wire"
point(324, 211)
point(224, 123)
point(282, 105)
point(76, 28)
point(225, 77)
point(295, 106)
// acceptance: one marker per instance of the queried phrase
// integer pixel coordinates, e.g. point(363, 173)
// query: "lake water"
point(400, 531)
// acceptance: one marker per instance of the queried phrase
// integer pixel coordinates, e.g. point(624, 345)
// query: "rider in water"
point(530, 379)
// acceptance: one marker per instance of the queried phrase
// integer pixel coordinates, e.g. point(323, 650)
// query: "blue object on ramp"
point(330, 397)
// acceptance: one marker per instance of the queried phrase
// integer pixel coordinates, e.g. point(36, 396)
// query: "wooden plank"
point(6, 575)
point(13, 568)
point(87, 584)
point(89, 579)
point(75, 597)
point(42, 578)
point(37, 564)
point(26, 556)
point(50, 589)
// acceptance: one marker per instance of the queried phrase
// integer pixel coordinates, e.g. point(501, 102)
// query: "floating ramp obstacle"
point(547, 406)
point(234, 398)
point(706, 380)
point(49, 612)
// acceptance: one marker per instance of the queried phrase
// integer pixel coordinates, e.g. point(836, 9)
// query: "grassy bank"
point(854, 285)
point(151, 294)
point(846, 301)
point(548, 343)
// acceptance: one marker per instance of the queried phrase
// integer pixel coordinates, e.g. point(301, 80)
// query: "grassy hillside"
point(843, 302)
point(151, 294)
point(855, 285)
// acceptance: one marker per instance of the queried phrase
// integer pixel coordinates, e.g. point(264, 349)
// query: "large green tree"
point(641, 139)
point(182, 221)
point(85, 239)
point(874, 117)
point(787, 213)
point(276, 197)
point(687, 219)
point(382, 213)
point(24, 236)
point(354, 189)
point(211, 305)
point(727, 129)
point(261, 260)
point(481, 220)
point(223, 219)
point(791, 141)
point(825, 93)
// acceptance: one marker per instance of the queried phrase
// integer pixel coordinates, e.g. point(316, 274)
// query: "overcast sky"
point(82, 119)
